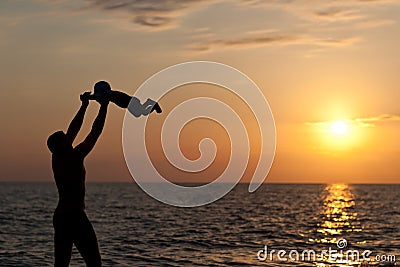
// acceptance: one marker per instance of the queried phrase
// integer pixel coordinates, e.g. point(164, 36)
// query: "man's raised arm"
point(87, 145)
point(77, 121)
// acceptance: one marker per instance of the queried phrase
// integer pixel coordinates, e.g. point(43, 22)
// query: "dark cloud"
point(331, 12)
point(159, 14)
point(151, 13)
point(153, 21)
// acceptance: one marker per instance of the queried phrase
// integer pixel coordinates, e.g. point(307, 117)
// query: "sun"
point(339, 127)
point(338, 136)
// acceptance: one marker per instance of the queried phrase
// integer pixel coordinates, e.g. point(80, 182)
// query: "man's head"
point(57, 142)
point(102, 88)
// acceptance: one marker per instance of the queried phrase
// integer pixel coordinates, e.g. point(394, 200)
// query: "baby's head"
point(102, 88)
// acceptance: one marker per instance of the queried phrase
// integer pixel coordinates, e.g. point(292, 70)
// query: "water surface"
point(136, 230)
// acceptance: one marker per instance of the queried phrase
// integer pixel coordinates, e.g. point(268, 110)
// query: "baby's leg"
point(149, 102)
point(147, 109)
point(150, 106)
point(138, 109)
point(135, 108)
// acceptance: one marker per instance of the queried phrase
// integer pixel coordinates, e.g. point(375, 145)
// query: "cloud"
point(151, 14)
point(335, 41)
point(362, 121)
point(247, 42)
point(153, 21)
point(341, 15)
point(319, 25)
point(156, 14)
point(375, 23)
point(371, 121)
point(338, 14)
point(376, 1)
point(265, 39)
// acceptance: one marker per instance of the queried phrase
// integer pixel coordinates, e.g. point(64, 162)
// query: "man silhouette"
point(71, 225)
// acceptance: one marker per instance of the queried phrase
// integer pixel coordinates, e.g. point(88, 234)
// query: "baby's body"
point(136, 108)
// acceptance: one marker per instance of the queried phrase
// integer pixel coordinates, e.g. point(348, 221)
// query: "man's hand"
point(85, 98)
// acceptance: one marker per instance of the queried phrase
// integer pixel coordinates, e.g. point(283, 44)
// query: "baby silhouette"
point(102, 89)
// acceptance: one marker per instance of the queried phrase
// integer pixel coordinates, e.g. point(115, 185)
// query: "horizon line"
point(199, 183)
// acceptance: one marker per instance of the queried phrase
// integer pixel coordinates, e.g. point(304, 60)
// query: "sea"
point(278, 225)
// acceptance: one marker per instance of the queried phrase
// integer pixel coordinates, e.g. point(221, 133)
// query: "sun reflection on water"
point(340, 216)
point(338, 220)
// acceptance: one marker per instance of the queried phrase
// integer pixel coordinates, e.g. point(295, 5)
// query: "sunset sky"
point(329, 70)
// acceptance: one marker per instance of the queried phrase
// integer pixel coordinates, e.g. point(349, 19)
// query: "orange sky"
point(316, 63)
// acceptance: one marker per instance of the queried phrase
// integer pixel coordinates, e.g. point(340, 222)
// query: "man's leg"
point(62, 243)
point(86, 242)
